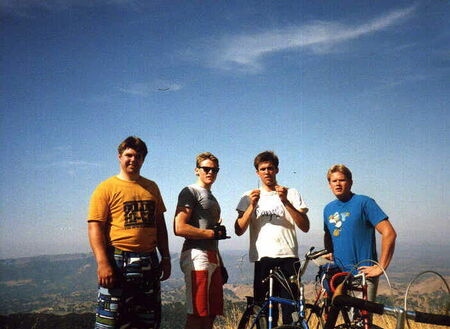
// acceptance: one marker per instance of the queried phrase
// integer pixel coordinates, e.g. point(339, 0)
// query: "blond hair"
point(206, 156)
point(339, 168)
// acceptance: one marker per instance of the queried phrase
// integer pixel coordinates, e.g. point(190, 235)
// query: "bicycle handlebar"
point(439, 319)
point(310, 255)
point(344, 300)
point(316, 254)
point(422, 317)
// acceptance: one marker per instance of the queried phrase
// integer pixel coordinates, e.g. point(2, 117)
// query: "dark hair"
point(134, 143)
point(266, 156)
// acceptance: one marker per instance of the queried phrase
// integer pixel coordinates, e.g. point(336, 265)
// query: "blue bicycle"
point(260, 316)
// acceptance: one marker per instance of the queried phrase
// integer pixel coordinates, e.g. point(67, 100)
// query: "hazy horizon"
point(404, 249)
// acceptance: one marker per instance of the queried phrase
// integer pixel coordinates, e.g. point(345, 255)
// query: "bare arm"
point(243, 220)
point(181, 227)
point(97, 239)
point(163, 247)
point(328, 243)
point(388, 236)
point(244, 217)
point(299, 216)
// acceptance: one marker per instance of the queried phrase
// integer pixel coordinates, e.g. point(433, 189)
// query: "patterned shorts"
point(203, 277)
point(135, 301)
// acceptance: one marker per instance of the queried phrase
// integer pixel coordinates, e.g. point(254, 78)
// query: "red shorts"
point(204, 292)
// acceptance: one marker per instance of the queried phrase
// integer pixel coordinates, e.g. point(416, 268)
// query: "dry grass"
point(231, 320)
point(389, 322)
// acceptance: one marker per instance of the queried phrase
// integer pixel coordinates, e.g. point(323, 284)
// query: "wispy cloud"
point(245, 52)
point(63, 148)
point(77, 164)
point(145, 89)
point(406, 79)
point(25, 7)
point(68, 166)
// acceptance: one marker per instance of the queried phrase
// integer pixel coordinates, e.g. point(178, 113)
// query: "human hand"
point(328, 256)
point(254, 197)
point(105, 275)
point(166, 268)
point(282, 193)
point(220, 232)
point(371, 271)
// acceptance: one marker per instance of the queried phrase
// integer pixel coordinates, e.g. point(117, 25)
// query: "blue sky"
point(364, 83)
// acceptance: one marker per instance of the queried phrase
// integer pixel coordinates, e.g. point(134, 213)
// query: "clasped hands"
point(281, 191)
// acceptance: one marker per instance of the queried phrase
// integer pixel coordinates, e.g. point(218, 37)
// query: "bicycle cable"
point(382, 269)
point(413, 280)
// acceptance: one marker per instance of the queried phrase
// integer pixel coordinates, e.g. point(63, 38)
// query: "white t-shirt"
point(272, 228)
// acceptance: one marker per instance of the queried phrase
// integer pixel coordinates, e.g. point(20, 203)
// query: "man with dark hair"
point(272, 212)
point(350, 223)
point(134, 143)
point(126, 225)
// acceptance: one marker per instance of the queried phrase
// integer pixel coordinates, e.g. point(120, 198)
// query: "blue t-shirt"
point(351, 226)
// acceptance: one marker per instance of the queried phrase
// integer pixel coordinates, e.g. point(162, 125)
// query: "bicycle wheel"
point(249, 317)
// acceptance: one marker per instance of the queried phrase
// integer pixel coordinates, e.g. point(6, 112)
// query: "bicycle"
point(340, 299)
point(329, 278)
point(260, 316)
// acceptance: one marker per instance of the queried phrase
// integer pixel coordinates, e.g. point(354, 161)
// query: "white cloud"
point(76, 164)
point(70, 167)
point(407, 78)
point(63, 148)
point(145, 89)
point(139, 89)
point(245, 52)
point(25, 7)
point(175, 86)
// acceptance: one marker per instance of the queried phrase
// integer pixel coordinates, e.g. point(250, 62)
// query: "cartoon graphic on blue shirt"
point(337, 219)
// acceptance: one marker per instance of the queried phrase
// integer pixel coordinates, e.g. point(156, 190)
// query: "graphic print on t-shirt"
point(338, 219)
point(139, 214)
point(270, 209)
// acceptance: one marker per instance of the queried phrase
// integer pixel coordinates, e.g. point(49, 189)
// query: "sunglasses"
point(208, 169)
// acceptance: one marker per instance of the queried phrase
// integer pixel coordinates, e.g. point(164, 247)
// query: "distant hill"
point(63, 284)
point(47, 321)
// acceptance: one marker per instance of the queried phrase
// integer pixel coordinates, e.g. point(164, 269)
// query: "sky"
point(364, 83)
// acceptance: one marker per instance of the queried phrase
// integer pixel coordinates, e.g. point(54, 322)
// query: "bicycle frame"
point(326, 292)
point(365, 316)
point(269, 304)
point(298, 303)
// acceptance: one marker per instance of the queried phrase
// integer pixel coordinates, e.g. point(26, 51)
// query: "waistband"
point(121, 252)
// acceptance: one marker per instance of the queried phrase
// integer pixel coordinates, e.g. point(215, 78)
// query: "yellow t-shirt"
point(129, 210)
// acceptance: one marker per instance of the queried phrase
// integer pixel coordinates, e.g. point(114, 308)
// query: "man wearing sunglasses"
point(126, 226)
point(197, 219)
point(272, 212)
